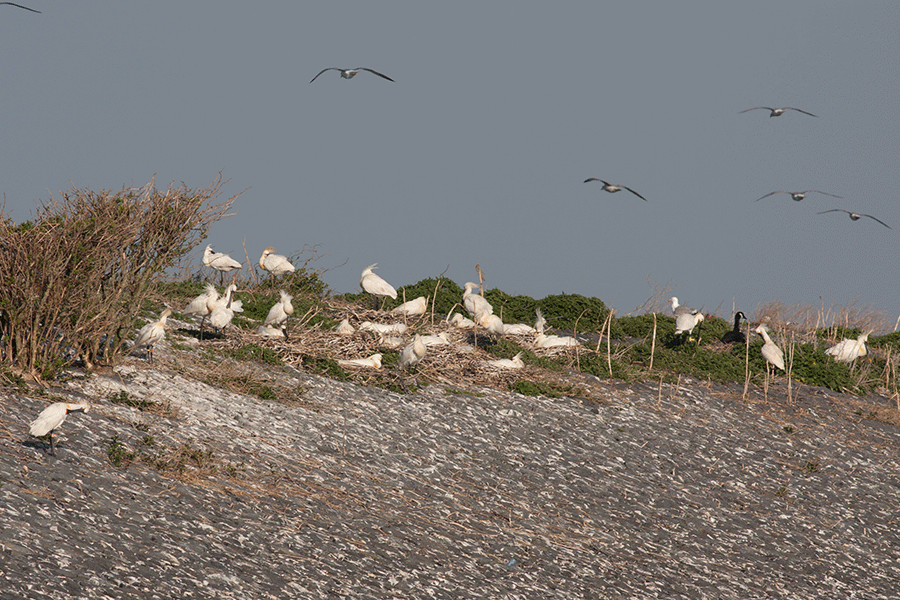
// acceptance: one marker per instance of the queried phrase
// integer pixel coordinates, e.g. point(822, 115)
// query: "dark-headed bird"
point(735, 336)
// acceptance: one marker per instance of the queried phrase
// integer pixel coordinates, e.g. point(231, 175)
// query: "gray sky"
point(478, 151)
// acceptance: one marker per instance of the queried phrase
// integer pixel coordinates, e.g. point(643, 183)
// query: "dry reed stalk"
point(746, 362)
point(790, 366)
point(653, 343)
point(252, 270)
point(609, 341)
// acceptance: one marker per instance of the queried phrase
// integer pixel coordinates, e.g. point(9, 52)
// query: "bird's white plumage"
point(770, 351)
point(441, 339)
point(491, 322)
point(679, 309)
point(457, 320)
point(846, 351)
point(53, 416)
point(554, 341)
point(271, 331)
point(151, 333)
point(508, 363)
point(203, 304)
point(685, 322)
point(276, 264)
point(413, 353)
point(372, 362)
point(412, 307)
point(384, 328)
point(475, 303)
point(219, 261)
point(344, 327)
point(223, 312)
point(518, 329)
point(280, 311)
point(375, 285)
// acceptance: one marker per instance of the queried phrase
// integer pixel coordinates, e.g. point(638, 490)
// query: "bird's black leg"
point(52, 445)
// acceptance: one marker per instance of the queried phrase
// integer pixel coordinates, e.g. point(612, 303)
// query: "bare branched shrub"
point(75, 277)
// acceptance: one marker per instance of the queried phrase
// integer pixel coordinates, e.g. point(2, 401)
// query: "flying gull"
point(615, 188)
point(350, 73)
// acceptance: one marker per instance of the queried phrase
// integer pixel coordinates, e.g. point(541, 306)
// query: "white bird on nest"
point(518, 329)
point(413, 353)
point(276, 264)
point(540, 323)
point(554, 341)
point(440, 339)
point(846, 351)
point(151, 334)
point(375, 285)
point(219, 261)
point(508, 363)
point(388, 328)
point(475, 303)
point(491, 322)
point(52, 417)
point(391, 341)
point(280, 311)
point(373, 362)
point(412, 308)
point(272, 331)
point(344, 327)
point(457, 320)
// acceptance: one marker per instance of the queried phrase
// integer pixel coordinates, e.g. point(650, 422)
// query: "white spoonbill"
point(280, 311)
point(272, 331)
point(373, 362)
point(383, 328)
point(491, 322)
point(518, 329)
point(413, 353)
point(276, 264)
point(20, 6)
point(777, 112)
point(770, 351)
point(223, 313)
point(375, 285)
point(412, 308)
point(350, 73)
point(202, 306)
point(457, 320)
point(847, 351)
point(796, 196)
point(855, 216)
point(508, 363)
point(344, 327)
point(554, 341)
point(219, 261)
point(441, 339)
point(151, 334)
point(612, 189)
point(475, 303)
point(52, 417)
point(540, 323)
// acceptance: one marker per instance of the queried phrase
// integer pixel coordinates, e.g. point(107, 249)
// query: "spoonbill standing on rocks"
point(151, 334)
point(52, 417)
point(771, 352)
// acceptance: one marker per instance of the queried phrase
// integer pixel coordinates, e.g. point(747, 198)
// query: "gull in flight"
point(777, 112)
point(796, 196)
point(615, 188)
point(855, 216)
point(350, 73)
point(20, 6)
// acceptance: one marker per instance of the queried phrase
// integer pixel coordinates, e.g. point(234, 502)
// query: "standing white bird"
point(612, 189)
point(685, 322)
point(52, 417)
point(280, 311)
point(350, 73)
point(491, 322)
point(770, 351)
point(855, 216)
point(411, 308)
point(413, 353)
point(151, 334)
point(508, 363)
point(276, 264)
point(777, 112)
point(796, 196)
point(375, 285)
point(540, 323)
point(372, 362)
point(847, 351)
point(223, 313)
point(219, 261)
point(202, 306)
point(475, 303)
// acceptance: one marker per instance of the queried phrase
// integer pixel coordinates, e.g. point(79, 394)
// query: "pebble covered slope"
point(454, 492)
